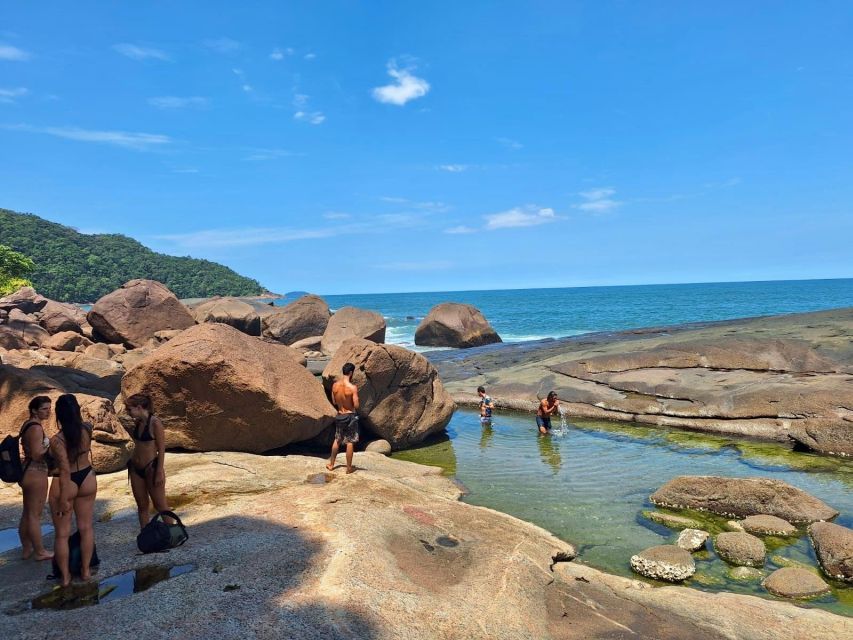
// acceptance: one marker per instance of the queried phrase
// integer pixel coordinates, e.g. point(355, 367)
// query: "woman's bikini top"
point(146, 435)
point(45, 442)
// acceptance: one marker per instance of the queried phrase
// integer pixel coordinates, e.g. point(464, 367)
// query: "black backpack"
point(159, 536)
point(75, 558)
point(11, 469)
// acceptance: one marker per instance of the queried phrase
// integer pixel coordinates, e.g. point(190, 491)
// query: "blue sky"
point(345, 147)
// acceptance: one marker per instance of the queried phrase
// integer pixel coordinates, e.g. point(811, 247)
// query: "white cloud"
point(128, 140)
point(509, 143)
point(217, 238)
point(461, 229)
point(336, 215)
point(453, 168)
point(8, 52)
point(435, 265)
point(222, 45)
point(175, 102)
point(257, 155)
point(526, 216)
point(405, 88)
point(277, 54)
point(310, 56)
point(9, 95)
point(140, 53)
point(598, 200)
point(303, 113)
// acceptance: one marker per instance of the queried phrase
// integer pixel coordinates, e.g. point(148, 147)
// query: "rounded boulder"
point(742, 549)
point(350, 322)
point(303, 318)
point(230, 311)
point(792, 582)
point(664, 562)
point(451, 324)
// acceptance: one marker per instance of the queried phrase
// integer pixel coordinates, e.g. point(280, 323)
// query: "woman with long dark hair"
point(146, 468)
point(75, 487)
point(34, 481)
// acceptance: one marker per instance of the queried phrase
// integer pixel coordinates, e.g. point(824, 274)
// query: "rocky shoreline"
point(280, 549)
point(780, 378)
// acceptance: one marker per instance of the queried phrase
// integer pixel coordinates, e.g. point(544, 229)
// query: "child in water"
point(486, 405)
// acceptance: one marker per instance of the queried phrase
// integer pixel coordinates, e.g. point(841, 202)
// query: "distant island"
point(75, 267)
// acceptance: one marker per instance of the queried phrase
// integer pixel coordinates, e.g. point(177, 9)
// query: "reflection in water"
point(9, 537)
point(436, 452)
point(549, 452)
point(487, 433)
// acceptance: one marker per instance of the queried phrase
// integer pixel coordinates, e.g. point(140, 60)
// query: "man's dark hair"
point(552, 394)
point(348, 368)
point(481, 389)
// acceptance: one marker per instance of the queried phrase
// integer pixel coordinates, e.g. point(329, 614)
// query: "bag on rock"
point(11, 469)
point(75, 557)
point(159, 536)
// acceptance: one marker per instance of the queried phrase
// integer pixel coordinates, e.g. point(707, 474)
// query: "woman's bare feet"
point(43, 555)
point(66, 582)
point(330, 466)
point(86, 575)
point(27, 553)
point(350, 469)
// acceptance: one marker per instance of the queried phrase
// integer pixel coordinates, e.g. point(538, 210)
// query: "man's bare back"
point(345, 396)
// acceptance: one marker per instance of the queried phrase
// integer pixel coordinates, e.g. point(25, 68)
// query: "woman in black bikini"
point(146, 469)
point(34, 482)
point(75, 487)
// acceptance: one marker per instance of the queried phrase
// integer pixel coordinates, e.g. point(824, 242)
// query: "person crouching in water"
point(146, 468)
point(34, 481)
point(345, 399)
point(547, 408)
point(75, 488)
point(486, 405)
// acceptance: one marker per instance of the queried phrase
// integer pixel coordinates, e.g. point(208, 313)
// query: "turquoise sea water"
point(530, 314)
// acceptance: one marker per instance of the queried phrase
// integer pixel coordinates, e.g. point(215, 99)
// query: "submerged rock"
point(740, 548)
point(742, 497)
point(745, 574)
point(671, 521)
point(764, 525)
point(664, 562)
point(451, 324)
point(834, 547)
point(790, 582)
point(692, 539)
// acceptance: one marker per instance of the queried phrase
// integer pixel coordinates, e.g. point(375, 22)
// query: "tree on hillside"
point(14, 269)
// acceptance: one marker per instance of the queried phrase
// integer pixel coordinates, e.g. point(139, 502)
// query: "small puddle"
point(107, 590)
point(320, 478)
point(9, 537)
point(447, 541)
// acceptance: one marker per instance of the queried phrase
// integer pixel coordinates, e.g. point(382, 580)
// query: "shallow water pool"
point(589, 484)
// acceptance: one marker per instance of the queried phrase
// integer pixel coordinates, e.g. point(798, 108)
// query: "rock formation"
point(303, 318)
point(451, 324)
point(230, 311)
point(350, 322)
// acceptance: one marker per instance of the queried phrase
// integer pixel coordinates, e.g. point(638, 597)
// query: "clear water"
point(531, 314)
point(589, 483)
point(9, 537)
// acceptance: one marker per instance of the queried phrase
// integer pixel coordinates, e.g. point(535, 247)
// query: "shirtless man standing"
point(547, 408)
point(345, 399)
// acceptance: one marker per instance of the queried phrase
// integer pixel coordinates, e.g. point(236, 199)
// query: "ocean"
point(533, 314)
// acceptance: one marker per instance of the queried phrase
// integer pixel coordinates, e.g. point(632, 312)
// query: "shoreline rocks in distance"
point(452, 324)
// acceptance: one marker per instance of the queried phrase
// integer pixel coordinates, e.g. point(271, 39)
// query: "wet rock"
point(742, 497)
point(402, 399)
point(834, 547)
point(66, 341)
point(764, 525)
point(745, 574)
point(350, 322)
point(217, 389)
point(303, 318)
point(734, 525)
point(379, 446)
point(230, 311)
point(740, 548)
point(790, 582)
point(692, 539)
point(132, 314)
point(672, 521)
point(451, 324)
point(664, 562)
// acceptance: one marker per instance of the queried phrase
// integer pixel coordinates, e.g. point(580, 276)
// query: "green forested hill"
point(75, 267)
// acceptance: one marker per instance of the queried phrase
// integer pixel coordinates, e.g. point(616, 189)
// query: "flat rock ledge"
point(664, 562)
point(834, 547)
point(671, 521)
point(742, 549)
point(764, 525)
point(791, 582)
point(282, 549)
point(692, 539)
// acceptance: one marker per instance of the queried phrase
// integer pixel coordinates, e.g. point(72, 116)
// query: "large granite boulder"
point(230, 311)
point(111, 445)
point(834, 547)
point(742, 497)
point(350, 322)
point(303, 318)
point(664, 562)
point(794, 582)
point(742, 549)
point(132, 314)
point(57, 317)
point(11, 339)
point(402, 399)
point(25, 300)
point(451, 324)
point(66, 341)
point(217, 389)
point(26, 327)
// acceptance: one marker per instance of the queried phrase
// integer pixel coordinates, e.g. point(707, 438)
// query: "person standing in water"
point(547, 408)
point(486, 405)
point(345, 399)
